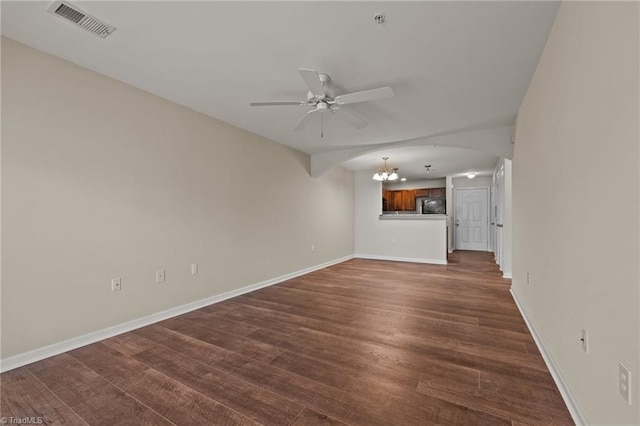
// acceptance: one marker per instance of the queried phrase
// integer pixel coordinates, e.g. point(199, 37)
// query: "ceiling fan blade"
point(306, 119)
point(350, 118)
point(276, 103)
point(313, 82)
point(365, 95)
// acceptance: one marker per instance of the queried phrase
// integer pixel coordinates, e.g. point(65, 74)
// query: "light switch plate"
point(160, 276)
point(116, 284)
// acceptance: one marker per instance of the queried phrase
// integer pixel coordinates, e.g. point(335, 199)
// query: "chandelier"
point(385, 173)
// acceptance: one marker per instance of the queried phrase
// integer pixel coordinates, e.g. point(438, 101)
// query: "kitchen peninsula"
point(412, 216)
point(400, 235)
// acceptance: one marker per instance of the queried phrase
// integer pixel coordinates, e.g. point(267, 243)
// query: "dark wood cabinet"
point(401, 200)
point(405, 200)
point(398, 200)
point(431, 192)
point(409, 200)
point(437, 192)
point(393, 200)
point(385, 200)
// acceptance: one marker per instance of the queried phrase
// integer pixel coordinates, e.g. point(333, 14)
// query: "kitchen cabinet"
point(405, 200)
point(397, 198)
point(431, 192)
point(437, 192)
point(409, 200)
point(385, 199)
point(401, 200)
point(391, 200)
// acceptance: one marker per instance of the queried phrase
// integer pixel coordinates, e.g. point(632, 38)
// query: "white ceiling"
point(453, 65)
point(444, 161)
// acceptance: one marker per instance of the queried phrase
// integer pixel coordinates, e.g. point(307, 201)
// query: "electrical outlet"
point(624, 382)
point(194, 269)
point(585, 340)
point(116, 284)
point(313, 247)
point(528, 278)
point(160, 276)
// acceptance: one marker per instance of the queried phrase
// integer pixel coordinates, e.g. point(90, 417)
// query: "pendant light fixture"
point(385, 173)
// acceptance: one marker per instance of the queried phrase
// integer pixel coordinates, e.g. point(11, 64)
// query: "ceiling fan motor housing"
point(329, 96)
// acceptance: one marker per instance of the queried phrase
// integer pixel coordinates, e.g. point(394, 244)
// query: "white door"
point(472, 221)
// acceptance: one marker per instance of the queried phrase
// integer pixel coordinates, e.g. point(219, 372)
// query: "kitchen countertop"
point(412, 216)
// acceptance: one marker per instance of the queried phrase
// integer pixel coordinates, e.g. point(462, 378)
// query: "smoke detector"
point(379, 18)
point(76, 16)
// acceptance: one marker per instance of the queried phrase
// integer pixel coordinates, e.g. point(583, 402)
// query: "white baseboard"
point(401, 259)
point(506, 275)
point(572, 405)
point(57, 348)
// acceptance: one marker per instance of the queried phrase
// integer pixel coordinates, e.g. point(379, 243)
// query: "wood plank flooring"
point(363, 342)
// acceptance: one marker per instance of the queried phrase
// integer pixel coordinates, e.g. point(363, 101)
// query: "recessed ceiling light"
point(403, 179)
point(471, 175)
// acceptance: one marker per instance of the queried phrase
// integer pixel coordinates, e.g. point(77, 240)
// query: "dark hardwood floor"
point(363, 342)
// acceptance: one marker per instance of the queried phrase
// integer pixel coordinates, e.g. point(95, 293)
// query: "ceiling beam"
point(495, 141)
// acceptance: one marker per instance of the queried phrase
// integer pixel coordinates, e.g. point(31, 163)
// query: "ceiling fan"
point(323, 99)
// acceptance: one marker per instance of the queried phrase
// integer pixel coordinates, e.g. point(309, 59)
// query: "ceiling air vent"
point(71, 13)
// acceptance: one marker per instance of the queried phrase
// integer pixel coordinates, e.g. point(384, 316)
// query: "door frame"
point(499, 184)
point(455, 207)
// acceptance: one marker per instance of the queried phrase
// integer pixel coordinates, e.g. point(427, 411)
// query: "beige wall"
point(576, 205)
point(103, 180)
point(477, 182)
